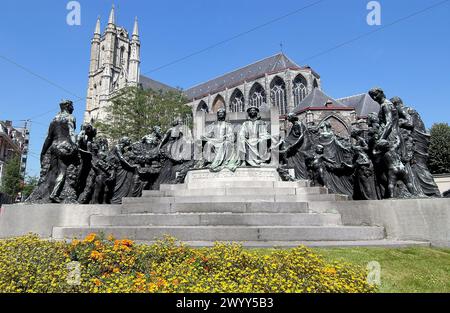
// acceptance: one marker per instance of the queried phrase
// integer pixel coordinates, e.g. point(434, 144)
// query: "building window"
point(300, 89)
point(122, 54)
point(257, 96)
point(315, 84)
point(237, 101)
point(202, 107)
point(278, 95)
point(218, 103)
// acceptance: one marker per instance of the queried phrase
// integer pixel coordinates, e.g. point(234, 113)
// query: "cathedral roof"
point(148, 83)
point(318, 99)
point(362, 103)
point(273, 64)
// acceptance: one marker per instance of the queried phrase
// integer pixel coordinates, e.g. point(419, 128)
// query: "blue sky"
point(409, 59)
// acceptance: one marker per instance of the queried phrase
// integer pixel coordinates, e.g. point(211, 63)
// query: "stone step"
point(237, 184)
point(153, 193)
point(217, 207)
point(236, 192)
point(213, 219)
point(229, 233)
point(236, 198)
point(383, 243)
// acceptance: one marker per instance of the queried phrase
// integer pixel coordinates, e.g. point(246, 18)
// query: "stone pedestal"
point(251, 206)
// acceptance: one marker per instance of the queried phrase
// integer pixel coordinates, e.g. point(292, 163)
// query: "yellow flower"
point(95, 255)
point(90, 238)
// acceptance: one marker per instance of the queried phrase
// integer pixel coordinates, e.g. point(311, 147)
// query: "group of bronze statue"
point(84, 169)
point(385, 157)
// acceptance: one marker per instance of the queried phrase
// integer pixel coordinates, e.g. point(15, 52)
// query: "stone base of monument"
point(251, 206)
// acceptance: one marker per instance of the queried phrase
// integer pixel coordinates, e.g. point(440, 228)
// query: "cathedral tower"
point(114, 64)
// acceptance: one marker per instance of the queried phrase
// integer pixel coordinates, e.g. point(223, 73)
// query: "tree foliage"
point(135, 111)
point(439, 159)
point(11, 180)
point(31, 183)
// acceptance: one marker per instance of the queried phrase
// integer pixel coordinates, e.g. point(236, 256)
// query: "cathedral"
point(274, 81)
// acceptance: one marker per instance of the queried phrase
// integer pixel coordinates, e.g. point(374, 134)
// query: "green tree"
point(135, 111)
point(31, 183)
point(439, 159)
point(11, 180)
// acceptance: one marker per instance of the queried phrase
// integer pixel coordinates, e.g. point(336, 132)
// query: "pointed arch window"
point(202, 107)
point(257, 96)
point(278, 94)
point(218, 103)
point(237, 101)
point(300, 89)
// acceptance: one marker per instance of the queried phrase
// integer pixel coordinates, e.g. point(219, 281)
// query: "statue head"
point(291, 117)
point(383, 145)
point(356, 132)
point(372, 118)
point(89, 130)
point(157, 130)
point(72, 173)
point(102, 143)
point(66, 106)
point(253, 112)
point(397, 101)
point(221, 114)
point(177, 121)
point(319, 149)
point(125, 142)
point(377, 94)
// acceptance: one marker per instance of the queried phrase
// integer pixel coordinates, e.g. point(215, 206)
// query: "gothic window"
point(218, 103)
point(257, 96)
point(338, 126)
point(300, 89)
point(122, 53)
point(202, 106)
point(315, 84)
point(278, 94)
point(237, 101)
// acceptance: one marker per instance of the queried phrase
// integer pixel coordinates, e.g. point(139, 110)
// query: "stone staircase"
point(251, 206)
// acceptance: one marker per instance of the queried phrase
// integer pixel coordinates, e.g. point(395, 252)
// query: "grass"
point(403, 270)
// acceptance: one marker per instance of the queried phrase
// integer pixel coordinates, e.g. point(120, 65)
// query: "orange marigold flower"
point(110, 238)
point(127, 242)
point(116, 270)
point(97, 282)
point(161, 282)
point(75, 242)
point(90, 238)
point(140, 275)
point(96, 255)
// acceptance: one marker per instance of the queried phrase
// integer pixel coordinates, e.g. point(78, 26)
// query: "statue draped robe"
point(253, 141)
point(295, 158)
point(219, 149)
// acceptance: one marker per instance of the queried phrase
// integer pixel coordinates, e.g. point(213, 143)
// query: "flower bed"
point(98, 264)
